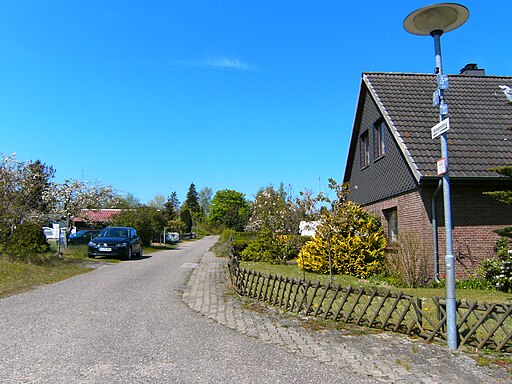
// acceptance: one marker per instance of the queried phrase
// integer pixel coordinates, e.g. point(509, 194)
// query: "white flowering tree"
point(274, 211)
point(71, 196)
point(275, 217)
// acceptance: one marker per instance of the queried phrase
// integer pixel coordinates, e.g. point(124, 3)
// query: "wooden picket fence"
point(479, 325)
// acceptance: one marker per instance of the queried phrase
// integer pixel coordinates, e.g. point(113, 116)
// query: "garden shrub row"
point(251, 246)
point(405, 264)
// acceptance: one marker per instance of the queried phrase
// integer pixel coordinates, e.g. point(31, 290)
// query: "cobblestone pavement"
point(384, 357)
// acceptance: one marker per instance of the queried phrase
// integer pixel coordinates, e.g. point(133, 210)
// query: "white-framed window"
point(380, 135)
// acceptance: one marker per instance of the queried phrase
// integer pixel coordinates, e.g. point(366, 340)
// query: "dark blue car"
point(121, 242)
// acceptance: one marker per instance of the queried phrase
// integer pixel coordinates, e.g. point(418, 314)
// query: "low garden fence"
point(479, 325)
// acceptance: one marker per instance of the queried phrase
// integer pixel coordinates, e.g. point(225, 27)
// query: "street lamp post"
point(434, 20)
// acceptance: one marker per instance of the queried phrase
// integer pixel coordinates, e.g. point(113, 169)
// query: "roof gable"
point(480, 135)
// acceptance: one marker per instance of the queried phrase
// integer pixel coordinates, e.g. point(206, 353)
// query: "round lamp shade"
point(444, 17)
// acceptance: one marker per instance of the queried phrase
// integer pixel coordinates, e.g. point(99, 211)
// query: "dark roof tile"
point(480, 135)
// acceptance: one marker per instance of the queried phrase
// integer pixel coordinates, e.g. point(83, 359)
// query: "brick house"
point(391, 164)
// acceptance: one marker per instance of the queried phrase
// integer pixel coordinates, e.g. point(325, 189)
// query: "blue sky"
point(149, 96)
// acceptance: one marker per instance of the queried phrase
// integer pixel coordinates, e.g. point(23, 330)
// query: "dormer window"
point(380, 134)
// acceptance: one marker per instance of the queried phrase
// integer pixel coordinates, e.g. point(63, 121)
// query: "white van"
point(172, 237)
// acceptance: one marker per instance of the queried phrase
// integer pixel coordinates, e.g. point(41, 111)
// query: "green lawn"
point(489, 296)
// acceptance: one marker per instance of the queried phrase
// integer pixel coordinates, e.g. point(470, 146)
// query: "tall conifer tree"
point(192, 202)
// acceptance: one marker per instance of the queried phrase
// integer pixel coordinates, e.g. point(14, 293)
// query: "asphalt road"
point(125, 323)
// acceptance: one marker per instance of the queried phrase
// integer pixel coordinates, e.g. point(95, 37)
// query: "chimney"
point(472, 70)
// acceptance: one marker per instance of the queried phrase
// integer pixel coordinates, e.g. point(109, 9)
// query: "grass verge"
point(17, 277)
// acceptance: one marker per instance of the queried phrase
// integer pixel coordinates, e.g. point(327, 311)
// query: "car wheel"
point(140, 252)
point(91, 256)
point(129, 254)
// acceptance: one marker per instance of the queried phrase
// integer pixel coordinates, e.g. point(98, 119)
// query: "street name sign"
point(442, 127)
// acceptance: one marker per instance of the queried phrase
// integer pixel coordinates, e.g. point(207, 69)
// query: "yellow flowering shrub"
point(353, 238)
point(312, 258)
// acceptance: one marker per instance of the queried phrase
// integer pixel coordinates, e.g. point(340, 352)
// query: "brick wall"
point(474, 217)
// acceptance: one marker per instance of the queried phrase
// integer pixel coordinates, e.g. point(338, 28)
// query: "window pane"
point(392, 219)
point(380, 148)
point(365, 150)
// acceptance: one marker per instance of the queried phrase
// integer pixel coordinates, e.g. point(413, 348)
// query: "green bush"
point(474, 282)
point(227, 234)
point(176, 226)
point(147, 221)
point(239, 245)
point(239, 240)
point(273, 249)
point(498, 270)
point(294, 244)
point(261, 250)
point(28, 243)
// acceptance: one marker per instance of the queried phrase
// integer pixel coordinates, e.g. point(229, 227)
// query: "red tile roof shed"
point(97, 215)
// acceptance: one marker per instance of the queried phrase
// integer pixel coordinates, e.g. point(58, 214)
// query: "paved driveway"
point(125, 323)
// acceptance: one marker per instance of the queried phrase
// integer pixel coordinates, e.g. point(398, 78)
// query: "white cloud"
point(228, 63)
point(220, 62)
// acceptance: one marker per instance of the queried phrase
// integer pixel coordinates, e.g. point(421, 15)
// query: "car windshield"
point(79, 233)
point(115, 232)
